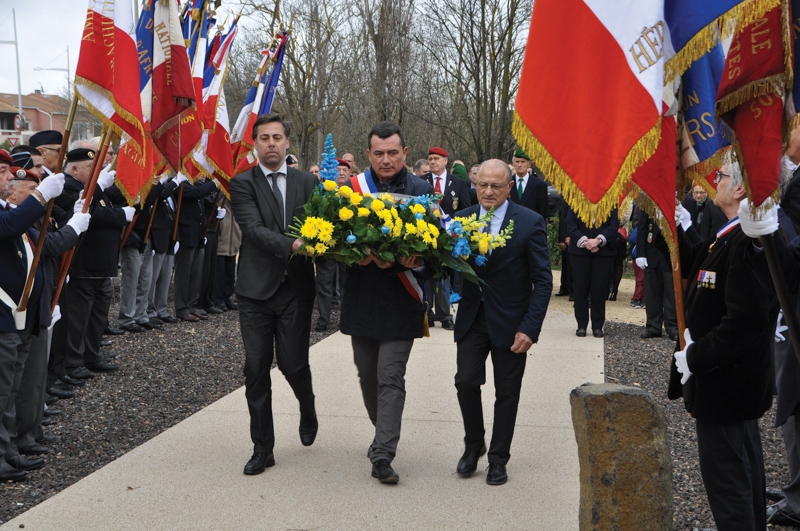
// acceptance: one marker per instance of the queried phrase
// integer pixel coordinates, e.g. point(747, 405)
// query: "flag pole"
point(128, 230)
point(26, 292)
point(177, 214)
point(677, 286)
point(66, 259)
point(211, 214)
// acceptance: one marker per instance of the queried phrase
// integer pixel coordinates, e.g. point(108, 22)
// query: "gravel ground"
point(169, 374)
point(165, 376)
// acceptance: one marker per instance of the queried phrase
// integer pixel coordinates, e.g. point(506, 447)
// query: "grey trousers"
point(158, 295)
point(137, 273)
point(325, 279)
point(30, 398)
point(789, 430)
point(188, 279)
point(438, 296)
point(381, 368)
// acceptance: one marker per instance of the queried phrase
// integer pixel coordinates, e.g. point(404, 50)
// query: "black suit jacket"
point(192, 219)
point(534, 196)
point(656, 251)
point(455, 194)
point(576, 228)
point(518, 282)
point(266, 250)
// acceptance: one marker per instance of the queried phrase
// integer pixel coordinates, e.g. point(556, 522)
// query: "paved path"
point(190, 477)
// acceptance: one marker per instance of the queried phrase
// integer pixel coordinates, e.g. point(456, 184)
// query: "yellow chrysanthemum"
point(397, 230)
point(329, 185)
point(387, 197)
point(418, 209)
point(411, 228)
point(345, 213)
point(309, 228)
point(320, 248)
point(345, 191)
point(395, 215)
point(433, 230)
point(362, 212)
point(355, 198)
point(377, 205)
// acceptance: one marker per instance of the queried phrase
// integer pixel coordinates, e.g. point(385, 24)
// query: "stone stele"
point(625, 462)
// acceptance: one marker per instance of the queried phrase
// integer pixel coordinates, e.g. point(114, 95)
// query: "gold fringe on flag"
point(700, 171)
point(743, 13)
point(754, 89)
point(649, 206)
point(593, 214)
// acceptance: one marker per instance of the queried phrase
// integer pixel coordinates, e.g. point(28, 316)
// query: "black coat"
point(577, 229)
point(731, 318)
point(164, 220)
point(790, 200)
point(192, 219)
point(710, 215)
point(534, 196)
point(376, 303)
point(455, 194)
point(650, 244)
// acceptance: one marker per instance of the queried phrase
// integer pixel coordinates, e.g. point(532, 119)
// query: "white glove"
point(77, 208)
point(51, 186)
point(56, 317)
point(641, 262)
point(780, 329)
point(165, 178)
point(181, 178)
point(106, 178)
point(221, 213)
point(177, 246)
point(79, 222)
point(767, 224)
point(129, 212)
point(682, 217)
point(680, 358)
point(216, 182)
point(205, 241)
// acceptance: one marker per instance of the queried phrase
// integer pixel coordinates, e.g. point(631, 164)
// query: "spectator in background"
point(563, 244)
point(707, 218)
point(314, 168)
point(421, 167)
point(229, 240)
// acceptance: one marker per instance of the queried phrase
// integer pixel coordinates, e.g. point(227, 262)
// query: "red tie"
point(438, 187)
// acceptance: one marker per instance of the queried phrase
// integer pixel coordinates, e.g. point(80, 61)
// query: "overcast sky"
point(45, 28)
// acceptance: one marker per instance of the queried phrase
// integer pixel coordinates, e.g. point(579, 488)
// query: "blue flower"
point(351, 239)
point(457, 228)
point(480, 260)
point(461, 248)
point(385, 229)
point(419, 215)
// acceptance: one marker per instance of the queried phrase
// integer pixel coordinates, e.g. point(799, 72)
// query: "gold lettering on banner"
point(186, 119)
point(162, 32)
point(649, 47)
point(735, 57)
point(765, 101)
point(693, 127)
point(144, 59)
point(796, 27)
point(690, 100)
point(107, 29)
point(88, 27)
point(760, 40)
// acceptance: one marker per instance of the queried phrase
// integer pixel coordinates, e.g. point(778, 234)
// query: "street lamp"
point(69, 78)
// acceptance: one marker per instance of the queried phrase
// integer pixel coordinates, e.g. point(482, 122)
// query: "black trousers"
point(590, 274)
point(566, 274)
point(209, 272)
point(732, 466)
point(224, 279)
point(89, 301)
point(509, 368)
point(660, 296)
point(278, 327)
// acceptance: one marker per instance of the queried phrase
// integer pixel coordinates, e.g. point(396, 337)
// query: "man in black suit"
point(529, 190)
point(652, 255)
point(275, 290)
point(724, 373)
point(455, 196)
point(504, 318)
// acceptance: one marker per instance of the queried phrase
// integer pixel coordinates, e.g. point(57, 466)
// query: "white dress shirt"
point(280, 180)
point(497, 217)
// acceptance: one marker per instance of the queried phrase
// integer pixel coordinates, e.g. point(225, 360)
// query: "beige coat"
point(229, 235)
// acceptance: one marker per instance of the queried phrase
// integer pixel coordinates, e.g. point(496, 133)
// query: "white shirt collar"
point(267, 171)
point(499, 213)
point(442, 176)
point(523, 177)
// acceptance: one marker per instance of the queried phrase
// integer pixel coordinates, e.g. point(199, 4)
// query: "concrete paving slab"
point(190, 476)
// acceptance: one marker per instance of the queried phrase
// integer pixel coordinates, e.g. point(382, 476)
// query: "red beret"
point(343, 162)
point(438, 151)
point(5, 158)
point(21, 174)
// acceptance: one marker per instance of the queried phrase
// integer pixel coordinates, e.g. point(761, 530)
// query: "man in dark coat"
point(652, 255)
point(503, 316)
point(707, 218)
point(274, 290)
point(724, 373)
point(382, 339)
point(164, 252)
point(529, 189)
point(455, 196)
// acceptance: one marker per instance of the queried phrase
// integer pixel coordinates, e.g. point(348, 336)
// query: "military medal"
point(455, 200)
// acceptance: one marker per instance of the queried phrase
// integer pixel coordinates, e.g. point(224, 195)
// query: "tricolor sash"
point(363, 184)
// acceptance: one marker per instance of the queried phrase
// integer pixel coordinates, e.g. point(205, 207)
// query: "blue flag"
point(274, 76)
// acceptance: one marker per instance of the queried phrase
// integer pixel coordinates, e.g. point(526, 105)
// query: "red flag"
point(107, 76)
point(177, 129)
point(756, 71)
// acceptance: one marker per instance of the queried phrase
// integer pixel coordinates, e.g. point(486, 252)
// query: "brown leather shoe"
point(190, 317)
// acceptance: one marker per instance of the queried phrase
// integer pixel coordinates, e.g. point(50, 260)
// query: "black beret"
point(44, 138)
point(80, 154)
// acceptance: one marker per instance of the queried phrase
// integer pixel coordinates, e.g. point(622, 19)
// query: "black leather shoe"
point(33, 449)
point(60, 392)
point(24, 463)
point(561, 293)
point(155, 321)
point(106, 343)
point(109, 355)
point(213, 310)
point(258, 463)
point(673, 337)
point(48, 422)
point(597, 332)
point(110, 331)
point(133, 327)
point(496, 474)
point(49, 412)
point(447, 324)
point(9, 473)
point(775, 495)
point(69, 380)
point(81, 373)
point(102, 366)
point(46, 439)
point(50, 399)
point(147, 326)
point(777, 516)
point(319, 328)
point(169, 319)
point(580, 332)
point(649, 335)
point(468, 463)
point(221, 307)
point(232, 305)
point(612, 296)
point(384, 472)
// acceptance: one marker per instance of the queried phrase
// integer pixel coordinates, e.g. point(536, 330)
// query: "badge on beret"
point(90, 154)
point(21, 174)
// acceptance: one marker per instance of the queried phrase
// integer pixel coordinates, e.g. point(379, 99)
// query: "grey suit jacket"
point(264, 257)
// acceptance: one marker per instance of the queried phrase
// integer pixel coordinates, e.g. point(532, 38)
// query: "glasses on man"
point(496, 186)
point(719, 176)
point(57, 150)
